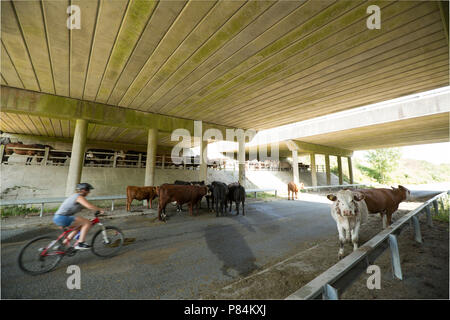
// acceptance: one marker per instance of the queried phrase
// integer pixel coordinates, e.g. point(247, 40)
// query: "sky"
point(436, 153)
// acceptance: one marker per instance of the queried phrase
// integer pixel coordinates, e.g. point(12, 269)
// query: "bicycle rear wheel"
point(108, 242)
point(33, 260)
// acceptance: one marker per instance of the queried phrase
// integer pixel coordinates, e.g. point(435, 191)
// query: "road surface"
point(179, 259)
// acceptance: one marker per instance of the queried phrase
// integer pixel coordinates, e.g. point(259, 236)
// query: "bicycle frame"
point(63, 235)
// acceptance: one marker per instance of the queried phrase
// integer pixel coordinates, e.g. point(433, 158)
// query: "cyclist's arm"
point(82, 200)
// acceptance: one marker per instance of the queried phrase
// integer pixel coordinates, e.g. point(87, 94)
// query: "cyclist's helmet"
point(84, 186)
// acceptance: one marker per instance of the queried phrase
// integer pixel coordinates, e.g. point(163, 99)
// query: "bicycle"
point(46, 253)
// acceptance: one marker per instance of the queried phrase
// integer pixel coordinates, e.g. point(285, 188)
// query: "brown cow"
point(385, 201)
point(293, 188)
point(141, 193)
point(180, 194)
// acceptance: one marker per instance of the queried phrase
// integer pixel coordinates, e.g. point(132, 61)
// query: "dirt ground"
point(425, 268)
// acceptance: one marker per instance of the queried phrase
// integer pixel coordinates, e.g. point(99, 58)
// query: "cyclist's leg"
point(84, 224)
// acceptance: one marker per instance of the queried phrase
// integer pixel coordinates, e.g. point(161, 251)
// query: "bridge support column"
point(350, 169)
point(327, 169)
point(77, 156)
point(151, 157)
point(295, 173)
point(313, 170)
point(341, 177)
point(241, 159)
point(203, 172)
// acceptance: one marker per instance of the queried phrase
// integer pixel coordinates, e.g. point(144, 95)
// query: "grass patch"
point(260, 195)
point(12, 211)
point(444, 211)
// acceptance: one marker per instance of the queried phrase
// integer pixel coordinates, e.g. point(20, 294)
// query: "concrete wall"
point(33, 181)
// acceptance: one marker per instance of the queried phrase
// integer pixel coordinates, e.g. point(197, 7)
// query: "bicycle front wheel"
point(40, 255)
point(107, 242)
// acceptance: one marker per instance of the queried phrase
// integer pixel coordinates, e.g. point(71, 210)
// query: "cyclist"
point(64, 216)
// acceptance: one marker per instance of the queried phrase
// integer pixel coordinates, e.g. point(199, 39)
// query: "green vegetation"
point(12, 211)
point(260, 195)
point(381, 164)
point(444, 211)
point(408, 171)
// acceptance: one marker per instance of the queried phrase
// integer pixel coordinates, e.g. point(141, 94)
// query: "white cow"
point(349, 210)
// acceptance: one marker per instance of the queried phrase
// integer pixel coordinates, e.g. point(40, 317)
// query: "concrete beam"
point(241, 159)
point(444, 9)
point(328, 169)
point(151, 157)
point(203, 168)
point(77, 156)
point(313, 170)
point(21, 101)
point(350, 169)
point(341, 176)
point(306, 147)
point(295, 172)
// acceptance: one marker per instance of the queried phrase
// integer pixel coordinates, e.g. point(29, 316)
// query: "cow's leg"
point(355, 235)
point(341, 232)
point(237, 208)
point(243, 210)
point(383, 219)
point(289, 194)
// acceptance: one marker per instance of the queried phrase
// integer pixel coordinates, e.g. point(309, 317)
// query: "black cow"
point(220, 194)
point(238, 196)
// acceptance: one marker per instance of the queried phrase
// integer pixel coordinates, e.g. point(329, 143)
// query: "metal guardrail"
point(336, 279)
point(43, 201)
point(337, 186)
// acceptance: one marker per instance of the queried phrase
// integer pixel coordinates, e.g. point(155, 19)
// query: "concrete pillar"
point(327, 169)
point(313, 170)
point(341, 177)
point(241, 158)
point(151, 157)
point(350, 169)
point(295, 173)
point(203, 172)
point(77, 156)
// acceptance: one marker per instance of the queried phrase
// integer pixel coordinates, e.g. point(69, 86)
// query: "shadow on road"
point(230, 247)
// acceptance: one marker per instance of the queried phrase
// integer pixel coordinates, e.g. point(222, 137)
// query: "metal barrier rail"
point(43, 201)
point(342, 274)
point(337, 186)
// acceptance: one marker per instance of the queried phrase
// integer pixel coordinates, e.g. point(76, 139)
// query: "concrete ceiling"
point(255, 64)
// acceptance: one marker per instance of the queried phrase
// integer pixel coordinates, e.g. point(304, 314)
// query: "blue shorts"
point(63, 221)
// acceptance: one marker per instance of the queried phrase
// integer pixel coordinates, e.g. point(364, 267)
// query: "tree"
point(382, 162)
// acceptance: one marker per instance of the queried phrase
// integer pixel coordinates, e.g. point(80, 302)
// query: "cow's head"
point(406, 194)
point(345, 202)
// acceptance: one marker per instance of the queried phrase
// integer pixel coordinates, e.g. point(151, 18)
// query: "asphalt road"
point(179, 259)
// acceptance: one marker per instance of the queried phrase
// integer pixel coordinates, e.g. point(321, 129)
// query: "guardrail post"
point(417, 233)
point(42, 210)
point(436, 208)
point(395, 257)
point(275, 193)
point(112, 205)
point(163, 161)
point(429, 218)
point(329, 293)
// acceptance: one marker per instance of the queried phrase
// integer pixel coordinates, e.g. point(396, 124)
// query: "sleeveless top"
point(70, 206)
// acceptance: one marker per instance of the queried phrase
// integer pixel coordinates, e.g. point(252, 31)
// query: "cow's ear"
point(358, 196)
point(332, 197)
